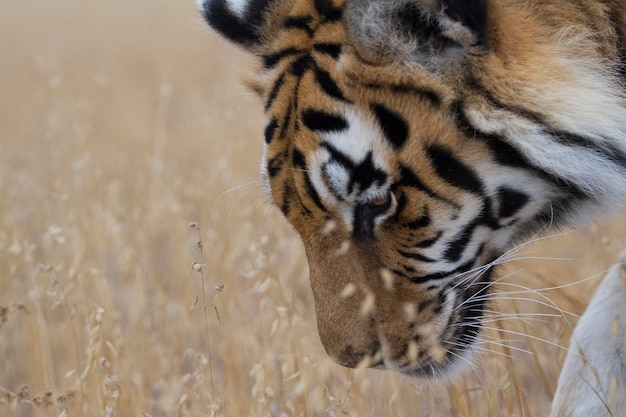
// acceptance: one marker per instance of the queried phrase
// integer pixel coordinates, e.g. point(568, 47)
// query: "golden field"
point(143, 271)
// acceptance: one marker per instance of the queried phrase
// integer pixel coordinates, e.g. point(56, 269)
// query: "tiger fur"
point(411, 143)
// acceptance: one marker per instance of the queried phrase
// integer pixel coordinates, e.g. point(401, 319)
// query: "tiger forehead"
point(314, 31)
point(323, 97)
point(308, 27)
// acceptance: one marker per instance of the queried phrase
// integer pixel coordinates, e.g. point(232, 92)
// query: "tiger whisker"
point(484, 290)
point(560, 287)
point(505, 319)
point(513, 332)
point(460, 357)
point(493, 313)
point(239, 187)
point(550, 305)
point(478, 345)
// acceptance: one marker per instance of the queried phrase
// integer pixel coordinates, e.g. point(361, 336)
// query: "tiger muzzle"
point(367, 317)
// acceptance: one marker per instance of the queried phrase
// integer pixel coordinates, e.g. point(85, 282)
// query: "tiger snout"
point(367, 317)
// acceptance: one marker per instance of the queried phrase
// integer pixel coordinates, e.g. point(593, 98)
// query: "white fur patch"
point(331, 179)
point(236, 6)
point(589, 169)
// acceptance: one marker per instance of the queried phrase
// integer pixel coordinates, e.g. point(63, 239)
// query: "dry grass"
point(121, 123)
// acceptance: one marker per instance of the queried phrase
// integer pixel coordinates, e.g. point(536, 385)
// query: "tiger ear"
point(428, 32)
point(247, 23)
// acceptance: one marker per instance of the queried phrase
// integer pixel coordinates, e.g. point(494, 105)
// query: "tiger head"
point(390, 148)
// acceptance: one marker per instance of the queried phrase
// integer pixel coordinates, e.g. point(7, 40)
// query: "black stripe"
point(416, 256)
point(442, 275)
point(456, 248)
point(327, 11)
point(244, 30)
point(424, 93)
point(409, 179)
point(422, 221)
point(365, 173)
point(274, 92)
point(486, 218)
point(507, 155)
point(477, 86)
point(428, 242)
point(301, 23)
point(616, 156)
point(569, 139)
point(395, 128)
point(510, 201)
point(287, 118)
point(453, 171)
point(331, 49)
point(428, 95)
point(338, 156)
point(274, 165)
point(270, 129)
point(299, 163)
point(298, 160)
point(425, 304)
point(321, 121)
point(312, 192)
point(441, 301)
point(301, 65)
point(285, 207)
point(329, 85)
point(272, 60)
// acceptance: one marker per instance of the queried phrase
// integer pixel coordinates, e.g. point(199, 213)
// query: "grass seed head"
point(612, 390)
point(437, 352)
point(329, 227)
point(365, 363)
point(343, 248)
point(426, 330)
point(614, 331)
point(378, 356)
point(369, 303)
point(348, 290)
point(410, 311)
point(197, 266)
point(413, 351)
point(388, 279)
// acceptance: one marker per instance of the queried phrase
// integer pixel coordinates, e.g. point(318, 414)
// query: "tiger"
point(411, 144)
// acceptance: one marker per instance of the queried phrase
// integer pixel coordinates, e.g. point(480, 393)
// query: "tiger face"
point(409, 148)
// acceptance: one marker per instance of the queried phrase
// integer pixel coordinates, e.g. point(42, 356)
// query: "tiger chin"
point(412, 143)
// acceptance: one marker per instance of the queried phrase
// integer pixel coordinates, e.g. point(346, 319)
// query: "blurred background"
point(143, 271)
